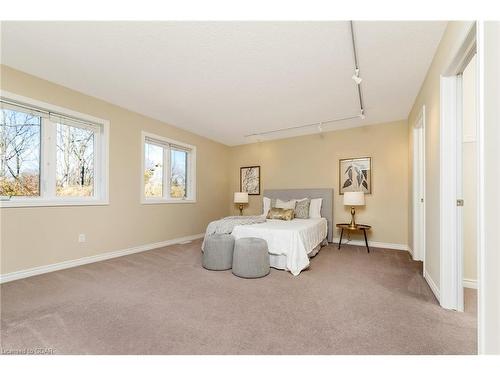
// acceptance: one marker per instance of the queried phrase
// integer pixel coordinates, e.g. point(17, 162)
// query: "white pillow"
point(315, 208)
point(286, 205)
point(266, 205)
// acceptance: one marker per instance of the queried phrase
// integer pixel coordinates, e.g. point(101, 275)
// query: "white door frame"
point(419, 200)
point(488, 63)
point(451, 231)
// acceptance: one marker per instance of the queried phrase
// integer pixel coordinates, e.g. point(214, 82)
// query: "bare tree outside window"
point(75, 161)
point(153, 170)
point(178, 180)
point(19, 153)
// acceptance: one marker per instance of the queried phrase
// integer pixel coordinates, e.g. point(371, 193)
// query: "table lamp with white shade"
point(354, 198)
point(241, 199)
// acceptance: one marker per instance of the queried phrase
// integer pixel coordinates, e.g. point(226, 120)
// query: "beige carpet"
point(163, 302)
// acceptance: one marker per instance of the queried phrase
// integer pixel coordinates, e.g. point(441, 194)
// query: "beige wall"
point(470, 181)
point(40, 236)
point(429, 96)
point(124, 223)
point(312, 162)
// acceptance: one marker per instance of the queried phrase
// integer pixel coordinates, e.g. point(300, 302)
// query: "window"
point(19, 153)
point(178, 168)
point(75, 161)
point(50, 156)
point(153, 174)
point(169, 171)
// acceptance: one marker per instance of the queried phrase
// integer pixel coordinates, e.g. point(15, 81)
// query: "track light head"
point(356, 78)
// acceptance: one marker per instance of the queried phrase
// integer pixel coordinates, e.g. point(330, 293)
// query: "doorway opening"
point(459, 176)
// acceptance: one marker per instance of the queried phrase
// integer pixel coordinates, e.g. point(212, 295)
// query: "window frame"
point(48, 155)
point(190, 174)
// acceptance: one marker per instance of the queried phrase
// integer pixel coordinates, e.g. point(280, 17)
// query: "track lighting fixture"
point(320, 125)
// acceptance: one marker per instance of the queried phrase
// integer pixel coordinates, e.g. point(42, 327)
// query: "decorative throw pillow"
point(287, 205)
point(280, 214)
point(302, 208)
point(266, 205)
point(315, 208)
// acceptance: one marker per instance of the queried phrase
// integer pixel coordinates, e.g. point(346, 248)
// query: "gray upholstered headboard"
point(326, 207)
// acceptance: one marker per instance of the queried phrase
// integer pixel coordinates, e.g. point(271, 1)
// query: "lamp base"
point(241, 209)
point(352, 224)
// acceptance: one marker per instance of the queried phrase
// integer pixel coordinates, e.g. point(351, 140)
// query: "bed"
point(292, 243)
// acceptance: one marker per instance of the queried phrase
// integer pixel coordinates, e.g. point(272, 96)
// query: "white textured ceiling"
point(224, 80)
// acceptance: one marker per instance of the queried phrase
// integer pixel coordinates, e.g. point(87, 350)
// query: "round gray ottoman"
point(218, 253)
point(250, 258)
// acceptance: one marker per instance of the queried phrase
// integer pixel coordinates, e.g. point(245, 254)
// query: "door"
point(419, 188)
point(467, 189)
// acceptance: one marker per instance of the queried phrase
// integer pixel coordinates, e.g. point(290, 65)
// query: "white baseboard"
point(432, 285)
point(470, 283)
point(92, 259)
point(410, 250)
point(384, 245)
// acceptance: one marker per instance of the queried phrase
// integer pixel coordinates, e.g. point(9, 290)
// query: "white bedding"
point(295, 238)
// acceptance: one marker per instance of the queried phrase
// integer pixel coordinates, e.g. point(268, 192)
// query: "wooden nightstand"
point(361, 227)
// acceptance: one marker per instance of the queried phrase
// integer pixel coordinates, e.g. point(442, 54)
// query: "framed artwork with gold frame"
point(355, 174)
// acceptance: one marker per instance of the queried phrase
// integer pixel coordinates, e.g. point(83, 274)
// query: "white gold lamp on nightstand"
point(354, 198)
point(241, 199)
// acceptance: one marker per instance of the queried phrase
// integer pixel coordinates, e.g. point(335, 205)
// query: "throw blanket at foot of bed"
point(227, 224)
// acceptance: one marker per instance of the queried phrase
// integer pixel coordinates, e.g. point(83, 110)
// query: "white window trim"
point(101, 187)
point(191, 178)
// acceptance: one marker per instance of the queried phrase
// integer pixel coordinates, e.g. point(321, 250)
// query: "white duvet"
point(295, 238)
